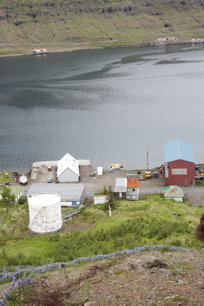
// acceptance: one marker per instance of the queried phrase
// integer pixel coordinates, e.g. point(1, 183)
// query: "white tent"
point(68, 169)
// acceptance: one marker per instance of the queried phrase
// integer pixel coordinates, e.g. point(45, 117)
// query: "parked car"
point(49, 180)
point(155, 175)
point(49, 168)
point(148, 174)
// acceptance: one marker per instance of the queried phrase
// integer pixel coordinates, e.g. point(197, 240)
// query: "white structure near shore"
point(68, 169)
point(71, 194)
point(45, 213)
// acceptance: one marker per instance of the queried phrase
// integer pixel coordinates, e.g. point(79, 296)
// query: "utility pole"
point(147, 159)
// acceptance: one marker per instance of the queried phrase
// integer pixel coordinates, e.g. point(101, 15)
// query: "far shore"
point(85, 47)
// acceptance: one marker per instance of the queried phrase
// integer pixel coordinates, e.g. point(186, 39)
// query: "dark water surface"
point(104, 105)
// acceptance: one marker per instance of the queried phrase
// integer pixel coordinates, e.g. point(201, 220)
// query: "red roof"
point(132, 182)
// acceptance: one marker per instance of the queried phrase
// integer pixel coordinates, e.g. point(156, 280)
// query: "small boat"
point(23, 179)
point(40, 51)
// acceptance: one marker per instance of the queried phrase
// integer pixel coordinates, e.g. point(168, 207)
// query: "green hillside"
point(149, 221)
point(68, 25)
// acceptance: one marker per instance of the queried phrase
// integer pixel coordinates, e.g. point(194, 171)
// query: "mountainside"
point(146, 278)
point(63, 25)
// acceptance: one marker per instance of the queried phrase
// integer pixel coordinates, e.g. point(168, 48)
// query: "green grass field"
point(134, 223)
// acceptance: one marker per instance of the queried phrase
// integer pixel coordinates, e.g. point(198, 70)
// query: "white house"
point(68, 169)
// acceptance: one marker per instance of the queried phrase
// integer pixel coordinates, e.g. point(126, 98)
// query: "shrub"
point(22, 200)
point(176, 242)
point(7, 197)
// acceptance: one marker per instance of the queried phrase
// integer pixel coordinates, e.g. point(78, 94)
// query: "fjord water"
point(106, 105)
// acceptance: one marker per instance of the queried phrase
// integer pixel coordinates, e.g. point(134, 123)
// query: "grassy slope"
point(148, 221)
point(60, 27)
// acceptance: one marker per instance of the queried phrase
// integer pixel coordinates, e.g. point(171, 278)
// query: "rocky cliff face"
point(68, 24)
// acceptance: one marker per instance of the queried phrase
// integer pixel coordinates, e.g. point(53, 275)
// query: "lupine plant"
point(15, 290)
point(9, 276)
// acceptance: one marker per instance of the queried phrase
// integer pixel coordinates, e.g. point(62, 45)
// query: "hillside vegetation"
point(150, 221)
point(65, 25)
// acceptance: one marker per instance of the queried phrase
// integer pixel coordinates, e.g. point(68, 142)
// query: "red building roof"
point(132, 182)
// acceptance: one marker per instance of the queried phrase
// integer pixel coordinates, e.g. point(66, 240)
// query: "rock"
point(146, 263)
point(89, 303)
point(153, 262)
point(134, 263)
point(180, 282)
point(163, 270)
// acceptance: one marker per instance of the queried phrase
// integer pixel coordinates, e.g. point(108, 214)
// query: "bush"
point(176, 242)
point(7, 197)
point(22, 200)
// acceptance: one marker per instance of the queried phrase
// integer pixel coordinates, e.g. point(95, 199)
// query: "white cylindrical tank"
point(45, 213)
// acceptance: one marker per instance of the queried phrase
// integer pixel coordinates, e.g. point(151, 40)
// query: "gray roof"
point(68, 192)
point(120, 184)
point(178, 149)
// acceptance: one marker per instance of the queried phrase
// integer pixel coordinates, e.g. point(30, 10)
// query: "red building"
point(179, 163)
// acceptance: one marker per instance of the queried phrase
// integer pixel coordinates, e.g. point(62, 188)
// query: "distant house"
point(179, 163)
point(40, 51)
point(68, 169)
point(120, 187)
point(71, 194)
point(174, 193)
point(132, 188)
point(17, 191)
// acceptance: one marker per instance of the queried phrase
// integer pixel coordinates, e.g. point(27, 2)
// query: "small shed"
point(99, 170)
point(71, 194)
point(132, 188)
point(120, 187)
point(100, 199)
point(174, 193)
point(132, 174)
point(68, 169)
point(17, 191)
point(179, 163)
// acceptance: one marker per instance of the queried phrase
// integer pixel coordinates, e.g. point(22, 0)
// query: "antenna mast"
point(147, 159)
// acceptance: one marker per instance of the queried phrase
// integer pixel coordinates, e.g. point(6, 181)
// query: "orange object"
point(132, 182)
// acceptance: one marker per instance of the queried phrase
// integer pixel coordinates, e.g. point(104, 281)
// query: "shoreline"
point(81, 48)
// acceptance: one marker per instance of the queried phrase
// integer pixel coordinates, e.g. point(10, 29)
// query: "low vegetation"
point(199, 183)
point(6, 177)
point(149, 221)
